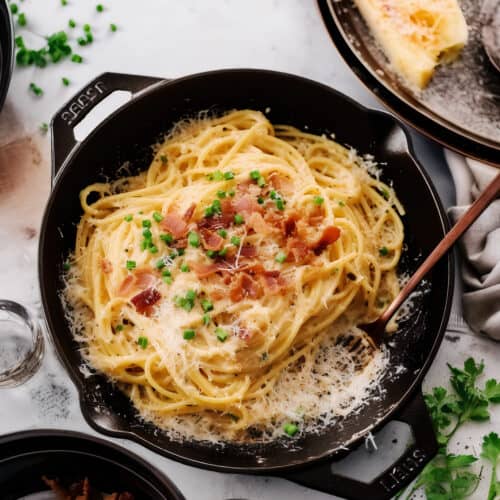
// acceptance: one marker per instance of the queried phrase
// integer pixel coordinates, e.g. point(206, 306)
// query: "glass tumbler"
point(21, 344)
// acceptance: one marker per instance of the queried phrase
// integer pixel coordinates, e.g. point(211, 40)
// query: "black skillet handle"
point(73, 112)
point(399, 475)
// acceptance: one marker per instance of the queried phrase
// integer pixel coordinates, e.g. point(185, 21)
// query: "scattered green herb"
point(143, 342)
point(318, 200)
point(194, 239)
point(189, 334)
point(384, 251)
point(235, 241)
point(36, 89)
point(238, 219)
point(491, 452)
point(65, 81)
point(280, 257)
point(221, 334)
point(128, 218)
point(77, 58)
point(131, 264)
point(290, 429)
point(157, 216)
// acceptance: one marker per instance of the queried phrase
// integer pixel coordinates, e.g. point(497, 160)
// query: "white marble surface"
point(169, 38)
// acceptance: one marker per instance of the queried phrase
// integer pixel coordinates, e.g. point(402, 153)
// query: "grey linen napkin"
point(480, 246)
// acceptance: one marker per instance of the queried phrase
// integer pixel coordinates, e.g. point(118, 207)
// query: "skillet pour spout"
point(127, 136)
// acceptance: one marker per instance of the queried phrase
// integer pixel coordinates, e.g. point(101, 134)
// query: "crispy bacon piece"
point(174, 224)
point(246, 205)
point(140, 279)
point(204, 270)
point(218, 221)
point(290, 224)
point(180, 243)
point(298, 251)
point(330, 235)
point(245, 286)
point(189, 212)
point(259, 225)
point(211, 240)
point(106, 266)
point(248, 251)
point(281, 184)
point(274, 282)
point(145, 301)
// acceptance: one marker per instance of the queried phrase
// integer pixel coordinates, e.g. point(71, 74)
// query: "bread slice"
point(416, 35)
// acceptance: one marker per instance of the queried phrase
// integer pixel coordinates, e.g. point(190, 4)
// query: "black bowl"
point(6, 49)
point(70, 456)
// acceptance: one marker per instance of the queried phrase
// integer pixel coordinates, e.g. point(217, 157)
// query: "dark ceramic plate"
point(70, 457)
point(6, 50)
point(460, 108)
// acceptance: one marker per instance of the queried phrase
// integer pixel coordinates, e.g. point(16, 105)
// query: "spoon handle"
point(487, 196)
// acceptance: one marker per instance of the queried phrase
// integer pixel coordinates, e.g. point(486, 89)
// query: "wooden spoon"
point(377, 328)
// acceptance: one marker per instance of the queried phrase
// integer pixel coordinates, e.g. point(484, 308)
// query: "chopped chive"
point(318, 200)
point(221, 334)
point(223, 252)
point(209, 211)
point(166, 272)
point(260, 200)
point(89, 38)
point(14, 8)
point(238, 219)
point(131, 264)
point(119, 328)
point(280, 204)
point(273, 195)
point(180, 251)
point(36, 89)
point(147, 233)
point(184, 268)
point(254, 175)
point(113, 27)
point(206, 319)
point(216, 176)
point(188, 334)
point(146, 223)
point(76, 58)
point(384, 251)
point(64, 2)
point(228, 176)
point(160, 264)
point(194, 239)
point(71, 23)
point(221, 194)
point(81, 41)
point(65, 81)
point(281, 257)
point(44, 128)
point(173, 254)
point(21, 19)
point(143, 342)
point(187, 302)
point(222, 232)
point(206, 305)
point(191, 295)
point(66, 266)
point(99, 7)
point(216, 207)
point(128, 218)
point(212, 254)
point(341, 203)
point(144, 244)
point(157, 216)
point(167, 238)
point(235, 241)
point(19, 40)
point(290, 429)
point(231, 193)
point(167, 280)
point(153, 249)
point(384, 193)
point(163, 159)
point(261, 182)
point(87, 28)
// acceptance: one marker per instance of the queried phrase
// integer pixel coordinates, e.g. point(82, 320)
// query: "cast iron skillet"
point(337, 18)
point(71, 456)
point(126, 135)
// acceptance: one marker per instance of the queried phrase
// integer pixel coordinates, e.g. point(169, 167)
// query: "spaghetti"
point(221, 287)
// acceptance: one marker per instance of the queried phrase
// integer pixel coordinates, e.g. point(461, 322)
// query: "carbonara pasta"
point(221, 288)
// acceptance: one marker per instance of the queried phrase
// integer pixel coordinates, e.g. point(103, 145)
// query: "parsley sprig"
point(448, 476)
point(491, 452)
